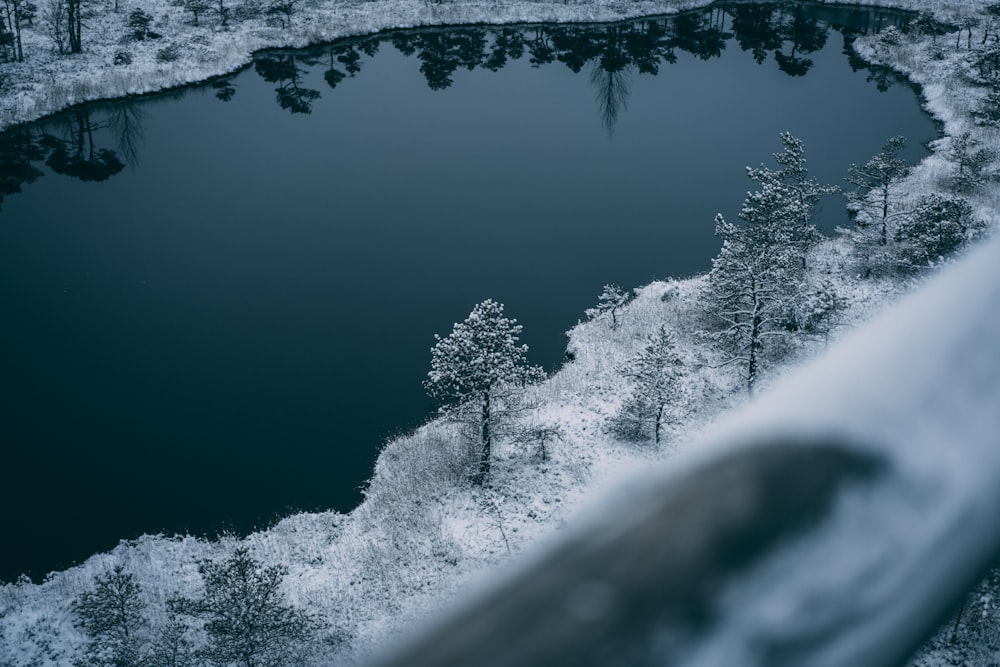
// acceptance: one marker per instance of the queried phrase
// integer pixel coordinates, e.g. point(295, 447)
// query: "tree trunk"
point(74, 24)
point(486, 437)
point(659, 423)
point(885, 209)
point(958, 619)
point(755, 323)
point(17, 31)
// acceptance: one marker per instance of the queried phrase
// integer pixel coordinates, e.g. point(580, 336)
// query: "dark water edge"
point(207, 339)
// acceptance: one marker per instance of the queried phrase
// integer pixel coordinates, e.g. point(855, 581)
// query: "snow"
point(924, 395)
point(916, 386)
point(915, 390)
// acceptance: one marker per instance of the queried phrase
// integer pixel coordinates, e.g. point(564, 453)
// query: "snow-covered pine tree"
point(969, 161)
point(823, 307)
point(873, 201)
point(655, 372)
point(112, 615)
point(245, 616)
point(940, 226)
point(138, 23)
point(612, 298)
point(754, 282)
point(795, 175)
point(173, 647)
point(479, 372)
point(787, 197)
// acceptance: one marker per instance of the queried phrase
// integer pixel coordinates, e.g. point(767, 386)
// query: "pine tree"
point(926, 24)
point(756, 280)
point(173, 647)
point(969, 162)
point(112, 615)
point(939, 227)
point(795, 175)
point(479, 372)
point(138, 23)
point(245, 616)
point(751, 288)
point(612, 298)
point(655, 372)
point(873, 201)
point(787, 198)
point(823, 307)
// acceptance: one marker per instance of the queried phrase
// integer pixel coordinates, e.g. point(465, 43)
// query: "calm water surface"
point(219, 303)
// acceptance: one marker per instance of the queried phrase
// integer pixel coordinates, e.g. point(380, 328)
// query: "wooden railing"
point(834, 521)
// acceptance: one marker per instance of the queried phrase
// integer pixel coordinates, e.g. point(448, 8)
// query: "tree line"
point(760, 300)
point(241, 617)
point(612, 53)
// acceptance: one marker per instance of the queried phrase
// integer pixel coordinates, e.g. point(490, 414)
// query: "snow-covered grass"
point(423, 534)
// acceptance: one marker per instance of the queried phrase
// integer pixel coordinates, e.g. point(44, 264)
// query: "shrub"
point(138, 23)
point(940, 226)
point(168, 54)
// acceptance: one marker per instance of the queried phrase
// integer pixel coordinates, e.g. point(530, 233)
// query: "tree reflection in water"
point(612, 55)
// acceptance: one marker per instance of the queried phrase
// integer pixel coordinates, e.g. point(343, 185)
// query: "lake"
point(219, 302)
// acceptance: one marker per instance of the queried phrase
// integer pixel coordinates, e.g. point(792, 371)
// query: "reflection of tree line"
point(613, 54)
point(71, 148)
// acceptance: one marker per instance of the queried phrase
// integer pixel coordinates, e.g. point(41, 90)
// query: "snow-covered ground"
point(423, 534)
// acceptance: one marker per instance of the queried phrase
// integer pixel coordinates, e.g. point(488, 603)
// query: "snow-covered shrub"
point(890, 36)
point(138, 23)
point(940, 226)
point(425, 464)
point(248, 10)
point(969, 160)
point(168, 54)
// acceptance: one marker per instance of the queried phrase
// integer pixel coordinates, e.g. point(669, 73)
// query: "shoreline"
point(389, 563)
point(46, 83)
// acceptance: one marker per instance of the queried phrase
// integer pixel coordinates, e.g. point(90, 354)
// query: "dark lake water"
point(217, 304)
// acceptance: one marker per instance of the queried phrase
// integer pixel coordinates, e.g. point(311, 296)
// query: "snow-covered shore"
point(47, 81)
point(423, 534)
